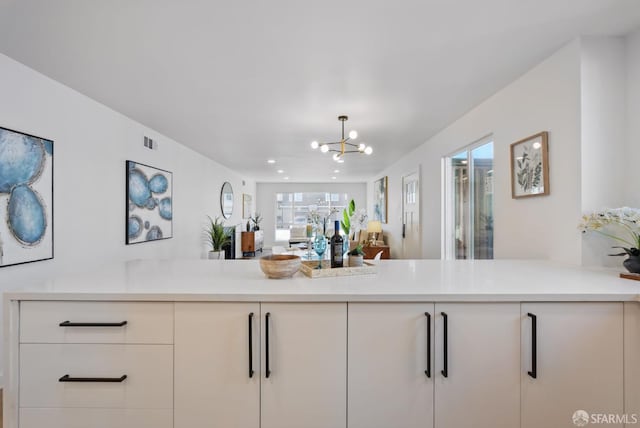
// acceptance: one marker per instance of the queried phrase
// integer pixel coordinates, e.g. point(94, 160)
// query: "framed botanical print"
point(530, 166)
point(380, 200)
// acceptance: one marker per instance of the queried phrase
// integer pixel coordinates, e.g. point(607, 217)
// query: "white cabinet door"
point(477, 379)
point(391, 373)
point(578, 362)
point(213, 385)
point(305, 366)
point(632, 358)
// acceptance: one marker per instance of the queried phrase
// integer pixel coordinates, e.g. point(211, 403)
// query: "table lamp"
point(374, 229)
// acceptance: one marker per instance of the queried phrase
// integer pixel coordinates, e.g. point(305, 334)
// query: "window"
point(294, 209)
point(468, 219)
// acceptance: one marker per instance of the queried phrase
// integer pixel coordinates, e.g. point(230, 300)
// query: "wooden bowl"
point(280, 266)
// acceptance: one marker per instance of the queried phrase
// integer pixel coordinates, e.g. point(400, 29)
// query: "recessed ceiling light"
point(333, 178)
point(280, 171)
point(286, 178)
point(335, 171)
point(271, 161)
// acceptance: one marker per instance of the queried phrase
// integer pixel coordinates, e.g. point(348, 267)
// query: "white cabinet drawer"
point(95, 418)
point(149, 371)
point(145, 322)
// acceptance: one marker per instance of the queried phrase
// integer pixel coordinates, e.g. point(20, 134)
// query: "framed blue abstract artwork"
point(149, 203)
point(26, 198)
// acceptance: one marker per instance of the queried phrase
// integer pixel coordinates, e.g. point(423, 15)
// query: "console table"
point(370, 251)
point(252, 242)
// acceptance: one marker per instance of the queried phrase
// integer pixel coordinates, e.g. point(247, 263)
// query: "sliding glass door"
point(468, 218)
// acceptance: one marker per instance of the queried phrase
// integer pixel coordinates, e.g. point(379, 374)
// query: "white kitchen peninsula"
point(426, 343)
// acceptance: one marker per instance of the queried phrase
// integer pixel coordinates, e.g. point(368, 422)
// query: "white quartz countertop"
point(396, 280)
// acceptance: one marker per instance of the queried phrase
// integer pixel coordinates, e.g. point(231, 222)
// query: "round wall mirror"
point(226, 200)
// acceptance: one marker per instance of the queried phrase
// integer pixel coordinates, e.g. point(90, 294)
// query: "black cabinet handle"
point(428, 370)
point(266, 342)
point(445, 345)
point(92, 324)
point(251, 345)
point(67, 378)
point(534, 346)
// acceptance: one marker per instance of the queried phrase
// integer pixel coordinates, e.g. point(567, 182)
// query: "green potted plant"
point(216, 237)
point(256, 221)
point(356, 256)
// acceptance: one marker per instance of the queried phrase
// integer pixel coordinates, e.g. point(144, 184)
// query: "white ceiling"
point(244, 81)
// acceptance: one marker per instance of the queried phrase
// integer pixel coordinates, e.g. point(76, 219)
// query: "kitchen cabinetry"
point(217, 365)
point(96, 365)
point(577, 363)
point(304, 365)
point(390, 365)
point(397, 354)
point(297, 356)
point(477, 373)
point(632, 358)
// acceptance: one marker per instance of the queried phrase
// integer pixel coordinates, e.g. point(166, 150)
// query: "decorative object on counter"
point(256, 221)
point(374, 229)
point(530, 166)
point(619, 224)
point(356, 256)
point(344, 146)
point(226, 200)
point(337, 247)
point(380, 199)
point(278, 266)
point(216, 237)
point(310, 269)
point(26, 191)
point(247, 205)
point(320, 246)
point(149, 203)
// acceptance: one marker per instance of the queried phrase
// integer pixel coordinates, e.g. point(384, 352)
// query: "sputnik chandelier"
point(344, 146)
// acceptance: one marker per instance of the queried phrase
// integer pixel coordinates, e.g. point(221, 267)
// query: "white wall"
point(266, 192)
point(91, 144)
point(633, 119)
point(604, 141)
point(547, 98)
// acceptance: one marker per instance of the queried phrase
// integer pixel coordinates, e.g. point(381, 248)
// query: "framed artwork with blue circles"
point(26, 198)
point(149, 203)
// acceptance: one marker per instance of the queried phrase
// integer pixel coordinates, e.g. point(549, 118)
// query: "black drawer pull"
point(534, 346)
point(92, 324)
point(428, 370)
point(445, 345)
point(251, 345)
point(67, 378)
point(266, 342)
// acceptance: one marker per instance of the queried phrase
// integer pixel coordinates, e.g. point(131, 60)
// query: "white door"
point(577, 363)
point(411, 232)
point(390, 365)
point(304, 365)
point(477, 379)
point(216, 346)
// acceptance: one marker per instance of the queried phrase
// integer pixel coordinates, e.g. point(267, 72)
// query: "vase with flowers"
point(621, 225)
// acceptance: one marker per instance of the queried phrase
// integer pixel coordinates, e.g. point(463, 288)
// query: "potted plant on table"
point(216, 237)
point(356, 256)
point(256, 221)
point(622, 225)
